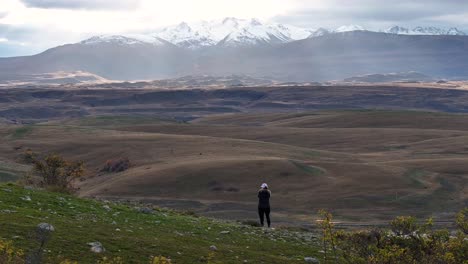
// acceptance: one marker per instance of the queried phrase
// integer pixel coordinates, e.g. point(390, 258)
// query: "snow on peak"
point(115, 39)
point(428, 30)
point(230, 31)
point(320, 32)
point(231, 21)
point(423, 31)
point(455, 32)
point(128, 40)
point(348, 28)
point(398, 30)
point(255, 22)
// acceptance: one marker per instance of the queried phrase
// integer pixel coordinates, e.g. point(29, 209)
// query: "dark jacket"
point(264, 198)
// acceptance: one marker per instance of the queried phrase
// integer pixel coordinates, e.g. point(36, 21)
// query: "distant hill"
point(332, 56)
point(391, 77)
point(53, 78)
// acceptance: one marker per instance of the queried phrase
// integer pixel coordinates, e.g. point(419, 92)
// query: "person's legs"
point(267, 213)
point(260, 214)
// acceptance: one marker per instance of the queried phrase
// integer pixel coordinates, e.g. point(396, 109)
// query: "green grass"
point(416, 176)
point(21, 132)
point(99, 121)
point(315, 171)
point(135, 236)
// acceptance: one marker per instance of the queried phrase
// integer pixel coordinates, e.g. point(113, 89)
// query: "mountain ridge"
point(232, 31)
point(322, 58)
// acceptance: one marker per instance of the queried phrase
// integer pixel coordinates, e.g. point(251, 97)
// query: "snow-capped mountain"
point(424, 31)
point(348, 28)
point(231, 32)
point(114, 39)
point(234, 32)
point(123, 40)
point(320, 32)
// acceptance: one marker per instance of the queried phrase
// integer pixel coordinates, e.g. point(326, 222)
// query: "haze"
point(31, 26)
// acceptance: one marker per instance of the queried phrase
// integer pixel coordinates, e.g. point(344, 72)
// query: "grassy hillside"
point(134, 236)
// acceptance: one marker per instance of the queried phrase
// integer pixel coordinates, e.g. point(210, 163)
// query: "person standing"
point(264, 195)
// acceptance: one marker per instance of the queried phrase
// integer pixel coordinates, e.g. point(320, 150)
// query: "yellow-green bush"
point(406, 242)
point(161, 260)
point(9, 254)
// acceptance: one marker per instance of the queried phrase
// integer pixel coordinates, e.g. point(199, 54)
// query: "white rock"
point(96, 247)
point(46, 227)
point(213, 248)
point(311, 260)
point(145, 210)
point(26, 198)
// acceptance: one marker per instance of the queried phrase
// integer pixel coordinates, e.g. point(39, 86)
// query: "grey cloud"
point(18, 33)
point(377, 12)
point(82, 4)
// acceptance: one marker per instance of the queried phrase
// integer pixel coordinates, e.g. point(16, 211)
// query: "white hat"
point(264, 186)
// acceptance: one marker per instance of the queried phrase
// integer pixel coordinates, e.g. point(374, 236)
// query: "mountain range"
point(235, 46)
point(235, 32)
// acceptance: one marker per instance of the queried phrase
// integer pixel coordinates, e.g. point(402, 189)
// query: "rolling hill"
point(366, 166)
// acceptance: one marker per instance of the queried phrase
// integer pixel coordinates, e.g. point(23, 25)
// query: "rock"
point(7, 190)
point(29, 187)
point(224, 232)
point(96, 247)
point(106, 207)
point(213, 248)
point(45, 227)
point(145, 210)
point(26, 198)
point(6, 211)
point(311, 260)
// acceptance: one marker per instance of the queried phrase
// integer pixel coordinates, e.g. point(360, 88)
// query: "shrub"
point(161, 260)
point(28, 156)
point(407, 242)
point(403, 225)
point(462, 221)
point(117, 165)
point(57, 173)
point(9, 254)
point(106, 260)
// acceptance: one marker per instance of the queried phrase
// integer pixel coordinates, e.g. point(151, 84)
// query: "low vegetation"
point(116, 165)
point(136, 233)
point(407, 242)
point(57, 173)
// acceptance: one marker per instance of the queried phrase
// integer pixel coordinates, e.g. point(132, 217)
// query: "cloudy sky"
point(31, 26)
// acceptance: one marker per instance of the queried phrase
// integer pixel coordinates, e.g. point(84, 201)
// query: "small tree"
point(329, 235)
point(57, 172)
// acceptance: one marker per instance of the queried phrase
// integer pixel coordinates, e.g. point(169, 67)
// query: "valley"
point(207, 150)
